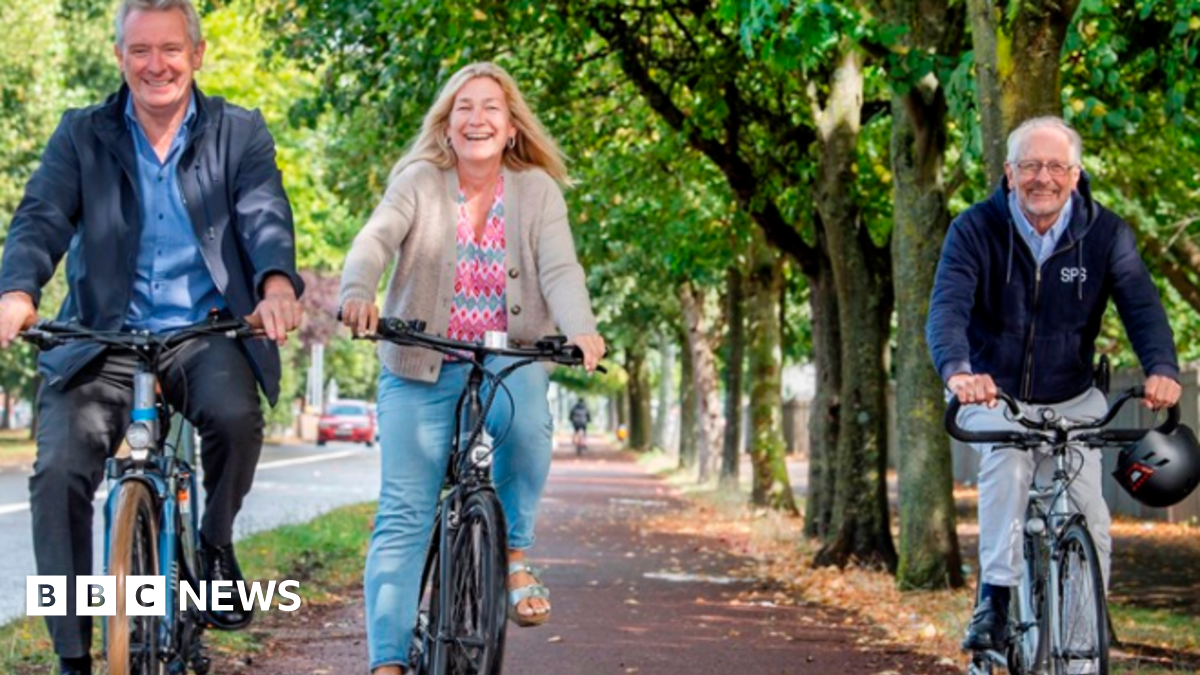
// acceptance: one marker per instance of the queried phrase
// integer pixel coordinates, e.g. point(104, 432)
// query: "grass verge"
point(16, 447)
point(324, 555)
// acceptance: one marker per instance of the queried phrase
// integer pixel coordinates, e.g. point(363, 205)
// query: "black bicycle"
point(151, 516)
point(1058, 616)
point(461, 619)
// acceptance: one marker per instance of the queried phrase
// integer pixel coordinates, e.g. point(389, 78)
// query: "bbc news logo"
point(147, 595)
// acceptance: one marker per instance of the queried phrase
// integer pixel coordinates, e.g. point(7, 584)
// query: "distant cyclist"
point(476, 225)
point(1018, 300)
point(171, 206)
point(579, 420)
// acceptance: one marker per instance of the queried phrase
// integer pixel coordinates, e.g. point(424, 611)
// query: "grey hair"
point(1019, 137)
point(189, 15)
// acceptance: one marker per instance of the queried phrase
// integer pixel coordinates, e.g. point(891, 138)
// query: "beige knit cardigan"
point(415, 225)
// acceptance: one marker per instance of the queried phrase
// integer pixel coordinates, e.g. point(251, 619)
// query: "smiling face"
point(480, 122)
point(1040, 195)
point(158, 61)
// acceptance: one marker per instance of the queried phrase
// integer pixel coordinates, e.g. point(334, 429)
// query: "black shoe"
point(81, 665)
point(989, 627)
point(219, 564)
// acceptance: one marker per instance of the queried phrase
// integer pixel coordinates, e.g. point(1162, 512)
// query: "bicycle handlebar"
point(1051, 422)
point(552, 348)
point(50, 334)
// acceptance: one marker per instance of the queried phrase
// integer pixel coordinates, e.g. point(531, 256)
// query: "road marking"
point(682, 577)
point(278, 464)
point(309, 460)
point(24, 506)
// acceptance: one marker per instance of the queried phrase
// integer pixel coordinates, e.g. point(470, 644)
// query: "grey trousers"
point(1006, 474)
point(210, 381)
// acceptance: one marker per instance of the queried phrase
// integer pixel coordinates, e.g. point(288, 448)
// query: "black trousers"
point(210, 381)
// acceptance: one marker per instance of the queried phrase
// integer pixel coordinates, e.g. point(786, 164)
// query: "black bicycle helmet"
point(1161, 469)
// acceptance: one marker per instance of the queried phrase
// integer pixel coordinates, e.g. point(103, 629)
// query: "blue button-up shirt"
point(1041, 245)
point(172, 286)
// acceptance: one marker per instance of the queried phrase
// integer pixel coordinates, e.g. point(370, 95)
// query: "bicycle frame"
point(1049, 518)
point(167, 472)
point(165, 469)
point(468, 474)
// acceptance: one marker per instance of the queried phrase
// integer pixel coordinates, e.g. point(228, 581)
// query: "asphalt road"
point(628, 599)
point(292, 484)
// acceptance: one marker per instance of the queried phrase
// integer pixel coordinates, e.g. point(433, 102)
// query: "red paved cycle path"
point(614, 612)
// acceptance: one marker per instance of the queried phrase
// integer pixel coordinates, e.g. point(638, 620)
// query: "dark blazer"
point(83, 201)
point(994, 311)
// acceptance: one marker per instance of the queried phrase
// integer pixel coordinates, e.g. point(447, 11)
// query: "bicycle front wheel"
point(1027, 611)
point(1082, 647)
point(132, 641)
point(477, 588)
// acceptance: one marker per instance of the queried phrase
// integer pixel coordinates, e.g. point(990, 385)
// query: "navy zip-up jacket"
point(82, 201)
point(993, 311)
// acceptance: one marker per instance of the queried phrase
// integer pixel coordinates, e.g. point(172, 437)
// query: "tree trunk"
point(639, 398)
point(1018, 65)
point(1032, 65)
point(688, 419)
point(929, 555)
point(704, 377)
point(992, 129)
point(771, 486)
point(861, 529)
point(823, 421)
point(735, 297)
point(666, 379)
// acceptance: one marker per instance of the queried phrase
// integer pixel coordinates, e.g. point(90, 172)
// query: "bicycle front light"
point(481, 455)
point(139, 437)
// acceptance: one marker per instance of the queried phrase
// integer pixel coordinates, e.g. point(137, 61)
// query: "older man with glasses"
point(1018, 301)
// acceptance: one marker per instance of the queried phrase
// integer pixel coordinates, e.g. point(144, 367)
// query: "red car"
point(347, 420)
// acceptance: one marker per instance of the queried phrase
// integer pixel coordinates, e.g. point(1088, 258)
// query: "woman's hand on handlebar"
point(592, 346)
point(969, 389)
point(1161, 392)
point(362, 316)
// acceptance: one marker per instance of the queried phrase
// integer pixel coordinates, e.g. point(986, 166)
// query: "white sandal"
point(518, 595)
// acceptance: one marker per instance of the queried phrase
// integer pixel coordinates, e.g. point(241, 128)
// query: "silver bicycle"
point(1058, 616)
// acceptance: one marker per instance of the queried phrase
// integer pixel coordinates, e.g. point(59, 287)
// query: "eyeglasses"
point(1033, 168)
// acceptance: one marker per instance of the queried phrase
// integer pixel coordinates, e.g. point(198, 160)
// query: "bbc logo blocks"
point(147, 595)
point(95, 596)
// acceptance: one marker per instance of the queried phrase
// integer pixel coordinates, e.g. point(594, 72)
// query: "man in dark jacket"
point(171, 206)
point(1017, 304)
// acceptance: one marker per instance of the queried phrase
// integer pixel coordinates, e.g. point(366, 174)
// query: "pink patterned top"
point(479, 303)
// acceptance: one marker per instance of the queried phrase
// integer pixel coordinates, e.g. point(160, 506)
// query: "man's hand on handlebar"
point(970, 388)
point(593, 349)
point(16, 314)
point(361, 316)
point(280, 311)
point(1161, 392)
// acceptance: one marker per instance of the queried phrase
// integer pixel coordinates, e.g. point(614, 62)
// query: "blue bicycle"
point(151, 515)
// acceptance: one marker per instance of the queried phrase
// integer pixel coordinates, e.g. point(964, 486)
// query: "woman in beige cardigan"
point(476, 224)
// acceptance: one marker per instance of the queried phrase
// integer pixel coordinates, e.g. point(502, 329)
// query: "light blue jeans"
point(416, 423)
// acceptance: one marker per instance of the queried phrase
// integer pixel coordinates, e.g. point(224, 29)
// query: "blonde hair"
point(533, 145)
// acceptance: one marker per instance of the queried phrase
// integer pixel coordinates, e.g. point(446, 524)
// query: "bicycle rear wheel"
point(1083, 624)
point(477, 588)
point(132, 647)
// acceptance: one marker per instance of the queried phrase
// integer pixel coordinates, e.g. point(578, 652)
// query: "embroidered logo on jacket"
point(1073, 274)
